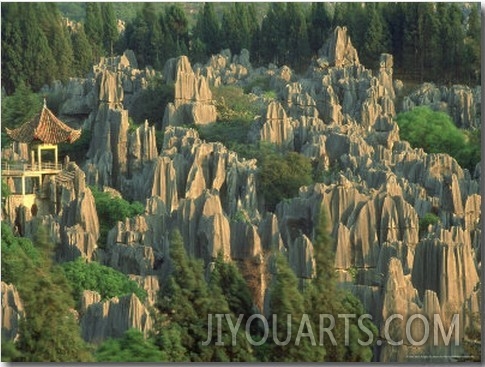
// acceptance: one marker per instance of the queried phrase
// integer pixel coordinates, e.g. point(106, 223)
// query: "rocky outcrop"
point(338, 51)
point(225, 69)
point(118, 156)
point(78, 219)
point(12, 312)
point(101, 320)
point(277, 127)
point(193, 97)
point(461, 102)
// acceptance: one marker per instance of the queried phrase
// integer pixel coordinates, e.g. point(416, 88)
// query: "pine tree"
point(93, 26)
point(297, 37)
point(230, 30)
point(208, 29)
point(49, 332)
point(109, 26)
point(287, 307)
point(20, 107)
point(472, 46)
point(187, 300)
point(274, 34)
point(83, 55)
point(375, 37)
point(58, 39)
point(12, 48)
point(324, 297)
point(318, 26)
point(177, 24)
point(39, 63)
point(452, 40)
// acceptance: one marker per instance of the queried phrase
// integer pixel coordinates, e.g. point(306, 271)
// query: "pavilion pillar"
point(23, 185)
point(39, 157)
point(55, 156)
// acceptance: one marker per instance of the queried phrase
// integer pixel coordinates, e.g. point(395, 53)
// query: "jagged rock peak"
point(193, 97)
point(338, 50)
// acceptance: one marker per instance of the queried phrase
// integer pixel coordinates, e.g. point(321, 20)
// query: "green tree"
point(229, 24)
point(472, 46)
point(274, 34)
point(59, 41)
point(109, 26)
point(282, 176)
point(49, 331)
point(452, 40)
point(83, 54)
point(20, 107)
point(187, 300)
point(375, 40)
point(297, 36)
point(318, 25)
point(39, 63)
point(323, 297)
point(177, 22)
point(433, 131)
point(132, 347)
point(12, 48)
point(93, 276)
point(111, 210)
point(287, 307)
point(208, 29)
point(93, 26)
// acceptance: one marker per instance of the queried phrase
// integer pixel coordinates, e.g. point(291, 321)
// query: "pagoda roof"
point(44, 127)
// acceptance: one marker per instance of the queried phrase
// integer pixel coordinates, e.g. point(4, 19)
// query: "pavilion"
point(42, 134)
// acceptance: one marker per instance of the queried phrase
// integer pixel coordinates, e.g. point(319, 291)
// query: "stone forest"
point(257, 190)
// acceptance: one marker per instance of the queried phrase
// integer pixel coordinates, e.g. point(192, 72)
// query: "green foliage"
point(76, 151)
point(186, 300)
point(93, 276)
point(18, 256)
point(234, 105)
point(281, 175)
point(132, 347)
point(20, 107)
point(49, 331)
point(286, 300)
point(260, 82)
point(424, 222)
point(111, 210)
point(151, 102)
point(235, 114)
point(323, 297)
point(39, 47)
point(436, 133)
point(10, 353)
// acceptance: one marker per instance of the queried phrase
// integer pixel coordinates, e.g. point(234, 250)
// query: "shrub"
point(424, 222)
point(93, 276)
point(76, 151)
point(150, 103)
point(281, 175)
point(233, 105)
point(111, 210)
point(435, 132)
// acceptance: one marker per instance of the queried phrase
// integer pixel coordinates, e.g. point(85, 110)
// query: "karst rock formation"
point(340, 114)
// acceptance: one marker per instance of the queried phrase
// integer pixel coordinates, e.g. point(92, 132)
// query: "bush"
point(429, 218)
point(93, 276)
point(281, 175)
point(233, 105)
point(76, 151)
point(435, 132)
point(111, 210)
point(150, 103)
